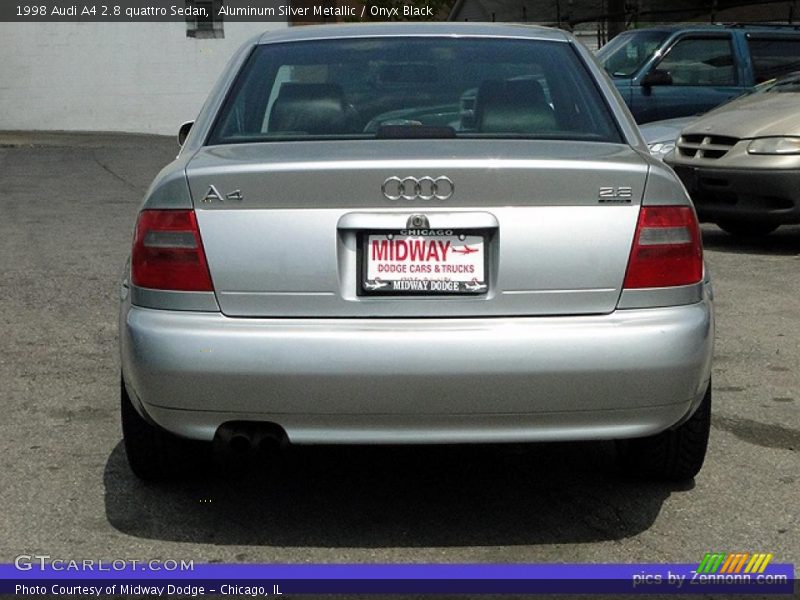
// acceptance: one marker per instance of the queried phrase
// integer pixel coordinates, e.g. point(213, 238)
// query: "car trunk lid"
point(286, 225)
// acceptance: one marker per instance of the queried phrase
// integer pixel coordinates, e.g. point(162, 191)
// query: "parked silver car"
point(661, 136)
point(741, 162)
point(405, 234)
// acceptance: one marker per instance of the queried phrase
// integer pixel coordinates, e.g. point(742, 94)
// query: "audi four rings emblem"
point(412, 188)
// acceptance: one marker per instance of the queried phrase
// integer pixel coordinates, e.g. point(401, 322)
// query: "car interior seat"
point(514, 106)
point(311, 108)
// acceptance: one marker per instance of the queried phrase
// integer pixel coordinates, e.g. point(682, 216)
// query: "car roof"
point(760, 27)
point(438, 29)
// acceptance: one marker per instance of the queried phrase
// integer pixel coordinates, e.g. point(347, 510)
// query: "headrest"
point(516, 106)
point(313, 108)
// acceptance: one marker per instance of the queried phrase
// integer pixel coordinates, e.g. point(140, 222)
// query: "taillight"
point(666, 249)
point(168, 252)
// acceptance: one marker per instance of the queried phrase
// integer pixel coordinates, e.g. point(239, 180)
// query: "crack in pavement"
point(114, 174)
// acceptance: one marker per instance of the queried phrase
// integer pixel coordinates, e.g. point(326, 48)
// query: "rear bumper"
point(762, 195)
point(628, 374)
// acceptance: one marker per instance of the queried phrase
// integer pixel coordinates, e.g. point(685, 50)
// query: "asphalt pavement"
point(67, 208)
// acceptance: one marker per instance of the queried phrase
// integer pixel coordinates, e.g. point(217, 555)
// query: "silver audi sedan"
point(415, 234)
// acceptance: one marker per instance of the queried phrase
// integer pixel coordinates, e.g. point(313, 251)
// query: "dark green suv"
point(680, 70)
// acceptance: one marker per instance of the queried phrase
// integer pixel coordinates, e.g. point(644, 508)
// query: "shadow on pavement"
point(784, 241)
point(377, 497)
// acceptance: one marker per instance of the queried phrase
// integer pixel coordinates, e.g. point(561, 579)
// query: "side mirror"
point(657, 77)
point(183, 132)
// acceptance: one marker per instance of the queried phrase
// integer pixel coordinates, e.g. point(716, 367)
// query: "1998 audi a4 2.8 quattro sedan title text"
point(416, 233)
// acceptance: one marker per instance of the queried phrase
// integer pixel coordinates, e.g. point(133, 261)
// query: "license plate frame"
point(476, 287)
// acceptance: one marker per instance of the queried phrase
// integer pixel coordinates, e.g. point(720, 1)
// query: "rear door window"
point(773, 57)
point(704, 61)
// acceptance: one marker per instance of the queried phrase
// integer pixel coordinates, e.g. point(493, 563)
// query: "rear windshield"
point(371, 88)
point(625, 54)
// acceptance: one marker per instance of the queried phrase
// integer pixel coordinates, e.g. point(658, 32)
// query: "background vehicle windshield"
point(370, 88)
point(626, 53)
point(788, 83)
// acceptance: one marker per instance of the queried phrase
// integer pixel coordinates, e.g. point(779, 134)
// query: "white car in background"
point(661, 136)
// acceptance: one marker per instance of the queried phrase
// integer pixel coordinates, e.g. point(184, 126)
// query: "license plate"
point(397, 264)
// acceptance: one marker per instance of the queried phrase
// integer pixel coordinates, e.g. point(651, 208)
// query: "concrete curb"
point(76, 139)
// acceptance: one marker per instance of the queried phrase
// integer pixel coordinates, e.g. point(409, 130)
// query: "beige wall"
point(134, 77)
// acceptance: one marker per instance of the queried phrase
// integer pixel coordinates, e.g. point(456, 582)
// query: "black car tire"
point(673, 455)
point(155, 454)
point(747, 228)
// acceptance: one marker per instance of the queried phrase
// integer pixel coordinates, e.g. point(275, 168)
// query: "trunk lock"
point(418, 222)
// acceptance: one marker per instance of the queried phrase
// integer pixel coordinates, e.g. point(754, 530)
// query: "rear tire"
point(747, 228)
point(672, 455)
point(155, 454)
